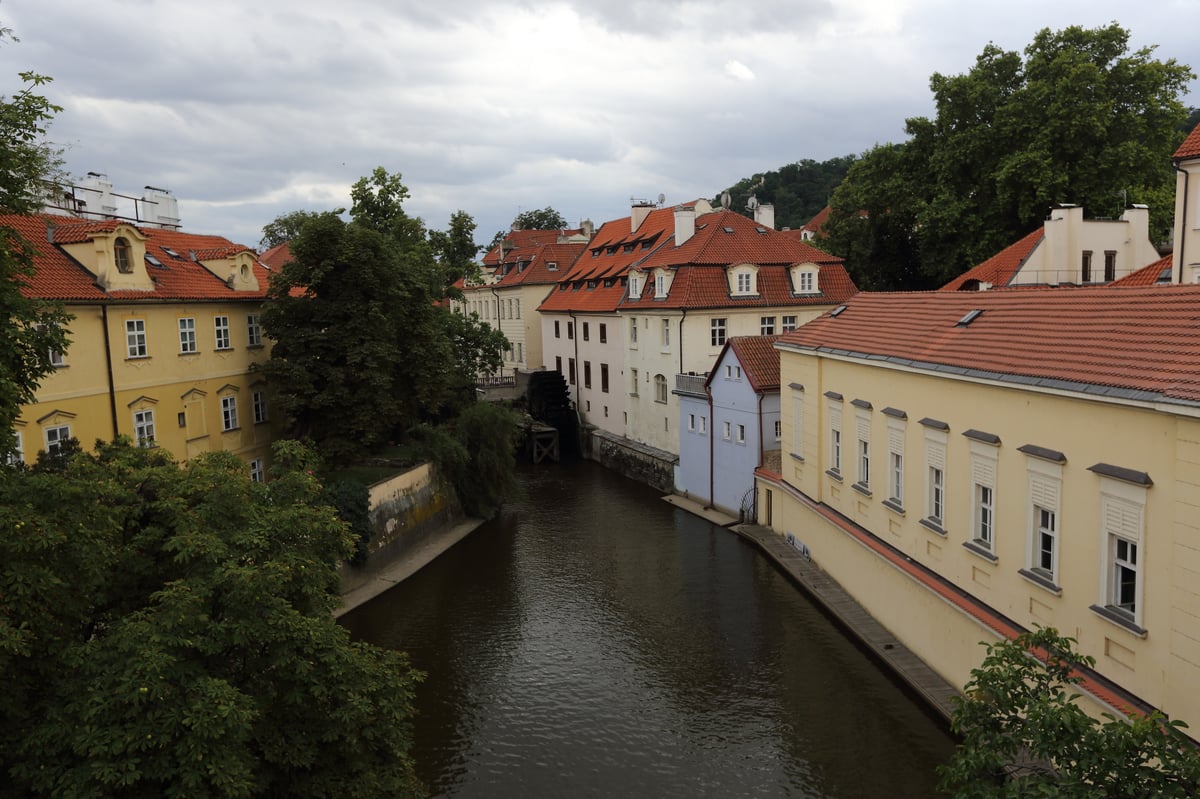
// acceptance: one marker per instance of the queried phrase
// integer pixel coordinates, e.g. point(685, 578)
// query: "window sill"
point(254, 346)
point(932, 526)
point(223, 349)
point(894, 506)
point(189, 354)
point(835, 474)
point(861, 488)
point(1119, 618)
point(976, 548)
point(261, 421)
point(230, 429)
point(1040, 581)
point(137, 357)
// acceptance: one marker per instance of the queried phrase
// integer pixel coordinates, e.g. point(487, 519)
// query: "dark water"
point(595, 641)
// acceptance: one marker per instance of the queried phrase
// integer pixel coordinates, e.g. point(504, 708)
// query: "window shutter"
point(1044, 492)
point(935, 454)
point(983, 471)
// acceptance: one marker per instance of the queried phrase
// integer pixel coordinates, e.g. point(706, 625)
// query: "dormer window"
point(743, 280)
point(122, 254)
point(635, 286)
point(551, 266)
point(804, 279)
point(662, 283)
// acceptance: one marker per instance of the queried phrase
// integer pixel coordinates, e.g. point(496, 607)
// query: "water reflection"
point(596, 641)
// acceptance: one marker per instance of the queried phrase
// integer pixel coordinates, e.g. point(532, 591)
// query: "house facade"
point(1186, 255)
point(164, 336)
point(1067, 250)
point(970, 465)
point(729, 425)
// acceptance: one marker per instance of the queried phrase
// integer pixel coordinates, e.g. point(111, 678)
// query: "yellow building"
point(969, 465)
point(165, 330)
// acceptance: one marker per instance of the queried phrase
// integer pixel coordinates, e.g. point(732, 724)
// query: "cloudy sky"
point(246, 110)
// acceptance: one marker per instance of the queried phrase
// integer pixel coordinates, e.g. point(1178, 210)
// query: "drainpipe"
point(681, 318)
point(498, 326)
point(578, 365)
point(761, 429)
point(1178, 255)
point(112, 389)
point(712, 433)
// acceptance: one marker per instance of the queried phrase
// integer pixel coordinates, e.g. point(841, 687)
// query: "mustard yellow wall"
point(1162, 666)
point(165, 380)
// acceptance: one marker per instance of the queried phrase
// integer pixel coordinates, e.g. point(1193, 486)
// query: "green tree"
point(1023, 735)
point(455, 248)
point(168, 631)
point(798, 191)
point(544, 219)
point(363, 351)
point(32, 328)
point(284, 228)
point(1078, 119)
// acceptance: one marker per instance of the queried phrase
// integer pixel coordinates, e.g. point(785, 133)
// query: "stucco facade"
point(959, 497)
point(163, 341)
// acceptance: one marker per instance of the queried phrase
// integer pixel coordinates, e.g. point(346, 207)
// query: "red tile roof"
point(815, 224)
point(725, 237)
point(531, 265)
point(1157, 272)
point(1191, 145)
point(516, 239)
point(277, 256)
point(1137, 343)
point(759, 360)
point(58, 276)
point(1001, 268)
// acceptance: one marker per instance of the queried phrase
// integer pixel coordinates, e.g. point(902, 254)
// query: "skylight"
point(172, 253)
point(837, 311)
point(970, 317)
point(727, 229)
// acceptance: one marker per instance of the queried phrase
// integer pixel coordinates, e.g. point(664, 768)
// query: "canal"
point(594, 641)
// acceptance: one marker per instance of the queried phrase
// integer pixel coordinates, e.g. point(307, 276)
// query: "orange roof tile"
point(531, 265)
point(815, 224)
point(759, 359)
point(1191, 145)
point(57, 276)
point(277, 256)
point(1156, 272)
point(1001, 268)
point(516, 239)
point(1132, 343)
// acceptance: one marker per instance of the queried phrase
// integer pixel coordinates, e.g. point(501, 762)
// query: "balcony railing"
point(690, 384)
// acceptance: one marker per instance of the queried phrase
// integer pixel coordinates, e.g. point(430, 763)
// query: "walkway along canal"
point(596, 641)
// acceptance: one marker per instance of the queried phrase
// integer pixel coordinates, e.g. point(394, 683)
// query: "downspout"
point(1178, 256)
point(578, 365)
point(712, 432)
point(681, 318)
point(112, 389)
point(498, 327)
point(761, 429)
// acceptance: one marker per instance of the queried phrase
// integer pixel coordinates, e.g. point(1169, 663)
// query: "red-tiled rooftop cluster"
point(58, 276)
point(1137, 343)
point(1191, 145)
point(1001, 268)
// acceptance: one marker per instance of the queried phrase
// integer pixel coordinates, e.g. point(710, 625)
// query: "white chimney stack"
point(685, 223)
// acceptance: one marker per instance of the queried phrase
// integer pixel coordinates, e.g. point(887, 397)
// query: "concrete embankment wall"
point(407, 510)
point(653, 467)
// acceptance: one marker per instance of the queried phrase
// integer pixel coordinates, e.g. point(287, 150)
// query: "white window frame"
point(703, 425)
point(660, 389)
point(936, 442)
point(1045, 497)
point(778, 431)
point(55, 435)
point(18, 453)
point(258, 474)
point(835, 437)
point(691, 423)
point(221, 333)
point(896, 432)
point(727, 430)
point(253, 330)
point(718, 331)
point(741, 434)
point(660, 285)
point(863, 450)
point(187, 335)
point(229, 413)
point(633, 333)
point(788, 323)
point(135, 339)
point(766, 325)
point(143, 428)
point(666, 335)
point(984, 458)
point(1122, 534)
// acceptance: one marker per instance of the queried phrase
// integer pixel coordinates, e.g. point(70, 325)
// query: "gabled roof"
point(1155, 273)
point(815, 224)
point(1128, 343)
point(517, 239)
point(725, 237)
point(58, 276)
point(596, 283)
point(1001, 268)
point(759, 360)
point(1191, 145)
point(277, 256)
point(531, 265)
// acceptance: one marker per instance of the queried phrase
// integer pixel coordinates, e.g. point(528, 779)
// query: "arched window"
point(660, 389)
point(121, 251)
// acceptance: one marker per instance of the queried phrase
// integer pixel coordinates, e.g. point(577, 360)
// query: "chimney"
point(589, 228)
point(1138, 217)
point(685, 223)
point(638, 213)
point(160, 208)
point(764, 215)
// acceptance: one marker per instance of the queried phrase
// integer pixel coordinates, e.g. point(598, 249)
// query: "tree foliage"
point(478, 453)
point(798, 191)
point(362, 349)
point(284, 228)
point(167, 631)
point(455, 248)
point(1023, 735)
point(32, 328)
point(1080, 118)
point(539, 219)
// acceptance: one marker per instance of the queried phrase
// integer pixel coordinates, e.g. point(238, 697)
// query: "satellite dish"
point(662, 198)
point(725, 200)
point(752, 203)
